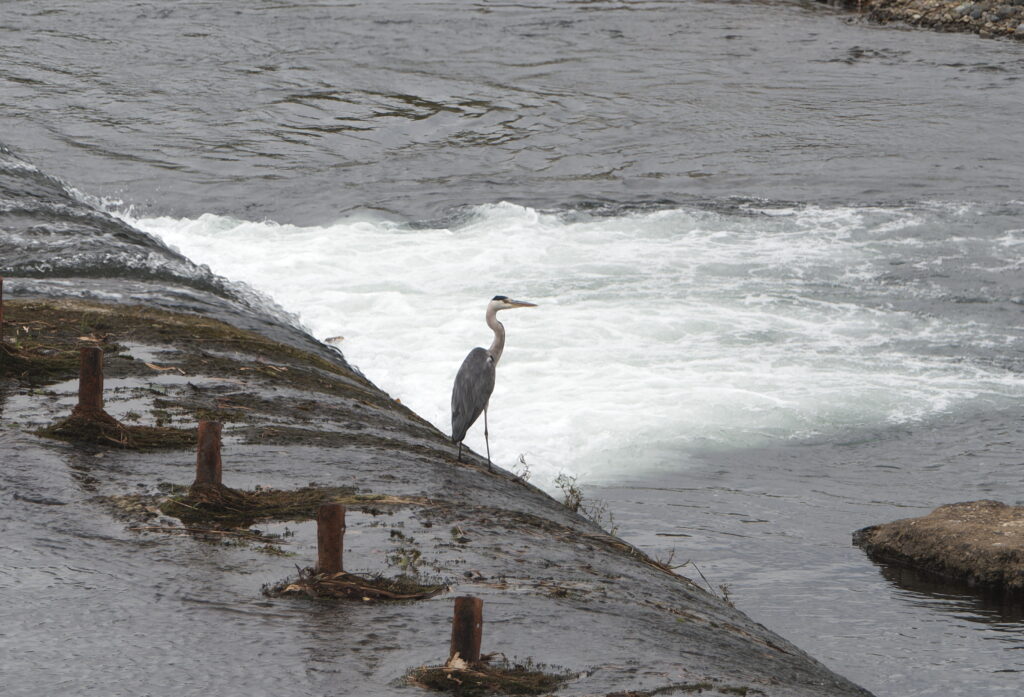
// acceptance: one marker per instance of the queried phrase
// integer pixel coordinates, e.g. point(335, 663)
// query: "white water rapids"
point(659, 334)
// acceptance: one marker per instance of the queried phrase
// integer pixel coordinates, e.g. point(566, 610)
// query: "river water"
point(778, 256)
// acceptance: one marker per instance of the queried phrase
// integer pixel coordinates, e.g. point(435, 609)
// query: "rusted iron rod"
point(90, 379)
point(330, 537)
point(208, 465)
point(467, 629)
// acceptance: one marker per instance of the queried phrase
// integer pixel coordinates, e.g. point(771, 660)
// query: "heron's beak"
point(519, 303)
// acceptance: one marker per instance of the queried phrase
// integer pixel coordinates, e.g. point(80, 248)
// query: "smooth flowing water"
point(778, 257)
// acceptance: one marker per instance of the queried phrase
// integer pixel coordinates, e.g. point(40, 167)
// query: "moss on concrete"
point(289, 435)
point(44, 337)
point(50, 332)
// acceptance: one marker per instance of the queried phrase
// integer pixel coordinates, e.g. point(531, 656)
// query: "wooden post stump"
point(467, 629)
point(88, 422)
point(330, 537)
point(208, 464)
point(90, 380)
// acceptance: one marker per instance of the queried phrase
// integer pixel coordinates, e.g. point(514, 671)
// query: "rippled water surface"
point(778, 254)
point(300, 112)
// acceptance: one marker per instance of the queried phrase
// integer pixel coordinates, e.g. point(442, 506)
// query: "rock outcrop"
point(980, 543)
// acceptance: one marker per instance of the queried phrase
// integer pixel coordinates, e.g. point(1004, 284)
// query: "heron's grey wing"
point(473, 386)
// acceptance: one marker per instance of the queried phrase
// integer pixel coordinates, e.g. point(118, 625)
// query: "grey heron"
point(475, 380)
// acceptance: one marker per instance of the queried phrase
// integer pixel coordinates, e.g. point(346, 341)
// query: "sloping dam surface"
point(104, 599)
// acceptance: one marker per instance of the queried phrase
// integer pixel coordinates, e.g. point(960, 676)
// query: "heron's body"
point(475, 380)
point(472, 391)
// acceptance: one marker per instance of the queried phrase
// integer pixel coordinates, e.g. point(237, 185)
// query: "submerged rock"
point(980, 543)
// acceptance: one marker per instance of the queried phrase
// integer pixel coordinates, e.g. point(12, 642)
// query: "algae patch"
point(43, 348)
point(37, 366)
point(47, 335)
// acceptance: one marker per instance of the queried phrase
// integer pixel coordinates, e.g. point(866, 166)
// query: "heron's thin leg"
point(460, 451)
point(487, 441)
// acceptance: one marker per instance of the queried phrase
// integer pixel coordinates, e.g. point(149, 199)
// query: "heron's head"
point(500, 302)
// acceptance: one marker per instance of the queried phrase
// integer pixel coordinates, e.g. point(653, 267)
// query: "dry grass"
point(483, 678)
point(37, 365)
point(346, 586)
point(232, 508)
point(97, 427)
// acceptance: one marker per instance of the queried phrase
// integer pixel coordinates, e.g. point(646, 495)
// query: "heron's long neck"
point(498, 345)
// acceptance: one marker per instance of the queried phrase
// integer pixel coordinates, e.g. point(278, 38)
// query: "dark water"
point(301, 111)
point(304, 112)
point(774, 526)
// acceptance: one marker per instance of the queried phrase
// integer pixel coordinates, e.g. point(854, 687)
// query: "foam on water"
point(659, 334)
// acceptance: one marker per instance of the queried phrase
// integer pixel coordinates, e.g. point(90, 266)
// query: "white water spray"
point(658, 335)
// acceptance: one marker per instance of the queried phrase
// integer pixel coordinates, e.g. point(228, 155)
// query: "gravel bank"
point(988, 19)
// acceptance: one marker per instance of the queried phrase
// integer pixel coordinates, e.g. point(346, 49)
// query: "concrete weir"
point(558, 589)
